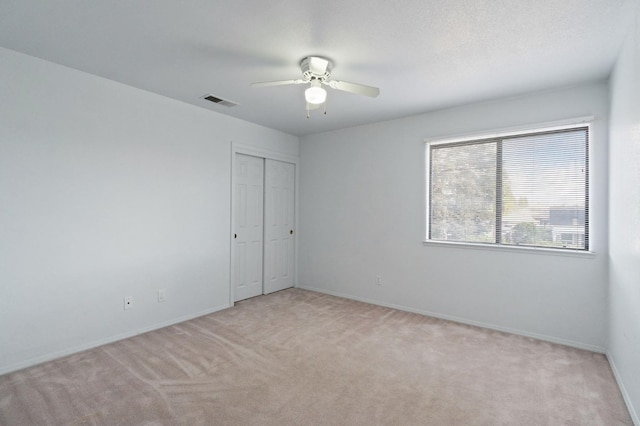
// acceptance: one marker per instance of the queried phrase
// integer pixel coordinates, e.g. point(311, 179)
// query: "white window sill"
point(512, 249)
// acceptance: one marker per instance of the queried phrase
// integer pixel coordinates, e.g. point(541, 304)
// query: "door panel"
point(279, 230)
point(248, 220)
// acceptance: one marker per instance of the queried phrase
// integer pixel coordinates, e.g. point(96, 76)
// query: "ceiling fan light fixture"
point(315, 94)
point(316, 71)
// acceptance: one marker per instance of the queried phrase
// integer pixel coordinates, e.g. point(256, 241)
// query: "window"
point(527, 189)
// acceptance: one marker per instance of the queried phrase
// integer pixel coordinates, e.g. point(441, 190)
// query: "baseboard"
point(565, 342)
point(625, 395)
point(70, 351)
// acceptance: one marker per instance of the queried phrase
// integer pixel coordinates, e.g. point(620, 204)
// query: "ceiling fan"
point(316, 71)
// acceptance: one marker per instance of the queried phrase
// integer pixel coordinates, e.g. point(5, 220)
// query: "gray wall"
point(362, 214)
point(108, 191)
point(624, 228)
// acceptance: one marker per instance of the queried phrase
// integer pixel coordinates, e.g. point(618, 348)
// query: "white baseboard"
point(94, 344)
point(565, 342)
point(625, 395)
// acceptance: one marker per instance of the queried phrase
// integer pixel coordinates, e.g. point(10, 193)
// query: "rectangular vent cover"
point(217, 100)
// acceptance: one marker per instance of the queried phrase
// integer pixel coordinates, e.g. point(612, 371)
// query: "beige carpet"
point(302, 358)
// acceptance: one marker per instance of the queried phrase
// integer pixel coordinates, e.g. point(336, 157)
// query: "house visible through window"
point(526, 189)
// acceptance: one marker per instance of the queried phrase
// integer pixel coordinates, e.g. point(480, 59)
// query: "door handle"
point(291, 232)
point(235, 236)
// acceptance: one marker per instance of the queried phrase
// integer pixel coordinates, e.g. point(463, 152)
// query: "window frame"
point(586, 121)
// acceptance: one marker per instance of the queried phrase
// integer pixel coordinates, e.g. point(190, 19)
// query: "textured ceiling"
point(422, 54)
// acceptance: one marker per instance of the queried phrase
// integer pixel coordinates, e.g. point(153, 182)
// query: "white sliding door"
point(248, 196)
point(279, 230)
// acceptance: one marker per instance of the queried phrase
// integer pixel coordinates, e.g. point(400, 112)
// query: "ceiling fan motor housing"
point(315, 68)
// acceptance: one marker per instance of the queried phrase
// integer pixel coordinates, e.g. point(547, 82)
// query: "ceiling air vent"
point(217, 100)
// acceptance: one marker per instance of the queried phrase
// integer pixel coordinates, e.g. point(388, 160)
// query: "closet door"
point(248, 196)
point(279, 230)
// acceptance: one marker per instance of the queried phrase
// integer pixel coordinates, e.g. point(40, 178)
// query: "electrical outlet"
point(162, 295)
point(378, 279)
point(128, 302)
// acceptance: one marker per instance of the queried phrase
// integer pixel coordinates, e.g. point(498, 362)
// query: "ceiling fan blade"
point(318, 65)
point(358, 89)
point(277, 83)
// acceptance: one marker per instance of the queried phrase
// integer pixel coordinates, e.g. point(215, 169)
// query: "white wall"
point(362, 214)
point(624, 228)
point(107, 191)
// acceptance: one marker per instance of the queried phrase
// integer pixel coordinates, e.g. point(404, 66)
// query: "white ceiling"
point(422, 54)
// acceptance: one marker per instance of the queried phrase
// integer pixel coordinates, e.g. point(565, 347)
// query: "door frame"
point(237, 148)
